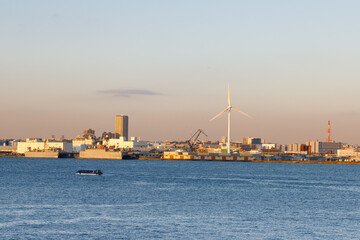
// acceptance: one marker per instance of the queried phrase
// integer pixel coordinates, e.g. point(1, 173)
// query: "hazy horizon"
point(68, 66)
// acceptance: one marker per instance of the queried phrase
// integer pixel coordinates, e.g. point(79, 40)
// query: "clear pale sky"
point(66, 66)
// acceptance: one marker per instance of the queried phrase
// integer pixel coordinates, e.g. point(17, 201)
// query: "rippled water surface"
point(133, 199)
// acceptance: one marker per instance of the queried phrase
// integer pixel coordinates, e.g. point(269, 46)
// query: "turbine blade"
point(219, 114)
point(242, 112)
point(229, 102)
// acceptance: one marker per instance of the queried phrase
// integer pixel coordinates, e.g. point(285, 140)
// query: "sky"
point(66, 66)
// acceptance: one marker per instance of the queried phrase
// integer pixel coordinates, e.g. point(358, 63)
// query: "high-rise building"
point(122, 126)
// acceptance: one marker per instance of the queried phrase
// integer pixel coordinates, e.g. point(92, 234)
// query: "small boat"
point(89, 172)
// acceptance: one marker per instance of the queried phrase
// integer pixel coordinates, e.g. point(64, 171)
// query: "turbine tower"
point(228, 109)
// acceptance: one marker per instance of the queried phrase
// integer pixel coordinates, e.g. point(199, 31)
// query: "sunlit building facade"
point(122, 126)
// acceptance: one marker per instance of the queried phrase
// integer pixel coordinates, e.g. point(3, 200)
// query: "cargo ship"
point(48, 154)
point(100, 153)
point(42, 154)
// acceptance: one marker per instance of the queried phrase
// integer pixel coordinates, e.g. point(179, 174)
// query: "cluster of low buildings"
point(248, 148)
point(252, 148)
point(78, 144)
point(118, 141)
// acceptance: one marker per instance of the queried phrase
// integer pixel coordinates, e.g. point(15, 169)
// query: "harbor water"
point(141, 199)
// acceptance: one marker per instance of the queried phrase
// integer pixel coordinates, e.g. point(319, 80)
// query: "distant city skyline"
point(68, 66)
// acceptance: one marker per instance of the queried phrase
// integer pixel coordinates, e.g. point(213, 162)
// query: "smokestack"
point(328, 138)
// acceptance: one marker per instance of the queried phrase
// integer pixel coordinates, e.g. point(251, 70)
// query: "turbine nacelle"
point(230, 107)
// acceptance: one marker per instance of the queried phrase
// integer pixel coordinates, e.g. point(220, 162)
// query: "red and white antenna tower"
point(328, 138)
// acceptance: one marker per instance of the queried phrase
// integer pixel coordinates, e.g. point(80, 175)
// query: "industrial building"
point(251, 140)
point(348, 152)
point(38, 144)
point(269, 146)
point(323, 147)
point(121, 143)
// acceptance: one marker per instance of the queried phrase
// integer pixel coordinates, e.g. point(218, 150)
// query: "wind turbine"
point(228, 109)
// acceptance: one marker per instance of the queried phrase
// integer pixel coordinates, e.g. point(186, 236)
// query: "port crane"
point(192, 141)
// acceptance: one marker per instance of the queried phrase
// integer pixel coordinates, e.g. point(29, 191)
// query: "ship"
point(48, 153)
point(103, 153)
point(89, 172)
point(42, 154)
point(100, 153)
